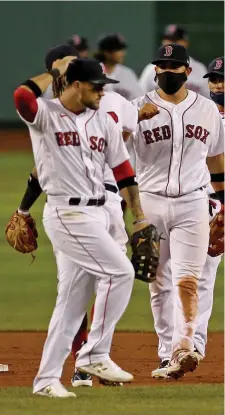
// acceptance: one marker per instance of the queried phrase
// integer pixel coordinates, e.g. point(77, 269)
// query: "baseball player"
point(128, 117)
point(171, 153)
point(81, 44)
point(206, 283)
point(111, 51)
point(195, 82)
point(66, 132)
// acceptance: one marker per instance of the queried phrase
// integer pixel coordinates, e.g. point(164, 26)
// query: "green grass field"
point(169, 400)
point(27, 297)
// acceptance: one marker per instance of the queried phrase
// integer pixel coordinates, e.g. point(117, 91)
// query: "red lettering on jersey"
point(76, 139)
point(93, 141)
point(148, 137)
point(68, 139)
point(204, 137)
point(159, 133)
point(114, 116)
point(101, 145)
point(156, 134)
point(166, 132)
point(60, 139)
point(198, 132)
point(189, 131)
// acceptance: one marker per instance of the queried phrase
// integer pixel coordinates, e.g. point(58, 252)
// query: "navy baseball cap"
point(59, 52)
point(174, 32)
point(173, 52)
point(112, 42)
point(80, 42)
point(88, 70)
point(216, 67)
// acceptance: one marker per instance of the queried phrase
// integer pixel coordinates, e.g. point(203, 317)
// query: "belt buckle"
point(98, 202)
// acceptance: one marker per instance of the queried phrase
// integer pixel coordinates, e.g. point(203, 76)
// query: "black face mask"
point(217, 97)
point(171, 82)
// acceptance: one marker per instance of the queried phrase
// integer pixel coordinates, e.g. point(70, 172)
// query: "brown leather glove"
point(216, 238)
point(21, 233)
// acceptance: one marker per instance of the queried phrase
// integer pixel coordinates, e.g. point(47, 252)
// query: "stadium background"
point(27, 293)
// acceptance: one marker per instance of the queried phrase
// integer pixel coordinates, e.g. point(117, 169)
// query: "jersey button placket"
point(173, 188)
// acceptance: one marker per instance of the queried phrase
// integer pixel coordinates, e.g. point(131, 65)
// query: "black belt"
point(74, 201)
point(111, 188)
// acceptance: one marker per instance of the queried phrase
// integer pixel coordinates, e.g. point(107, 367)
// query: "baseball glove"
point(145, 259)
point(216, 238)
point(21, 233)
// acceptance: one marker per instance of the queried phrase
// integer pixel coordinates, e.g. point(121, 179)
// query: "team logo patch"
point(168, 50)
point(219, 64)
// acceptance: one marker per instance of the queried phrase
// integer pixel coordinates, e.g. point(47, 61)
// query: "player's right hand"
point(147, 112)
point(62, 64)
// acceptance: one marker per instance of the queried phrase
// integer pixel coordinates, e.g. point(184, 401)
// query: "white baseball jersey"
point(195, 81)
point(128, 85)
point(172, 147)
point(70, 150)
point(126, 113)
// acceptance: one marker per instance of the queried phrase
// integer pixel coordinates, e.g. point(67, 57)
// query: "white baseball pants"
point(85, 253)
point(183, 222)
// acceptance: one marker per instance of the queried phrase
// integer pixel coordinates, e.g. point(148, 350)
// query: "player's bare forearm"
point(216, 167)
point(131, 195)
point(42, 81)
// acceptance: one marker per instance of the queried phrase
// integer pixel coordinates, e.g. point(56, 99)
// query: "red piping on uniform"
point(171, 153)
point(103, 322)
point(85, 127)
point(26, 103)
point(123, 171)
point(181, 159)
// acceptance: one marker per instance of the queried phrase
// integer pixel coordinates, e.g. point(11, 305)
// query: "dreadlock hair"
point(58, 86)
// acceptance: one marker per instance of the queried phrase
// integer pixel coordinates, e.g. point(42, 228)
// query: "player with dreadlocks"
point(123, 113)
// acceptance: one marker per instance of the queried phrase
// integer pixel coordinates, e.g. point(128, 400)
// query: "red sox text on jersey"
point(164, 133)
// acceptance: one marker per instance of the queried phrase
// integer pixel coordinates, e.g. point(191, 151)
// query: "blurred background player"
point(81, 44)
point(111, 52)
point(195, 82)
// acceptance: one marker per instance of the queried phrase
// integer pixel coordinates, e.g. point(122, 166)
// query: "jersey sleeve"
point(129, 115)
point(40, 121)
point(217, 145)
point(116, 152)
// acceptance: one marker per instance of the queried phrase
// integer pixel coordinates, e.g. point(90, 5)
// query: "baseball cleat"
point(107, 370)
point(161, 371)
point(81, 379)
point(182, 363)
point(55, 390)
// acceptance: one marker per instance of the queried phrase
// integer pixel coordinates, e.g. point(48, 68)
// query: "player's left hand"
point(216, 238)
point(21, 233)
point(147, 112)
point(145, 245)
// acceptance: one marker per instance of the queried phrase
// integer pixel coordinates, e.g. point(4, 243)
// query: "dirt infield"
point(135, 352)
point(15, 140)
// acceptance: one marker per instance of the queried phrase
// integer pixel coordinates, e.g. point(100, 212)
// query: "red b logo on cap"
point(219, 64)
point(168, 51)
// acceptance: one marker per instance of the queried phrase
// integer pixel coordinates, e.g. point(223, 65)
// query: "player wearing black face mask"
point(172, 68)
point(215, 76)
